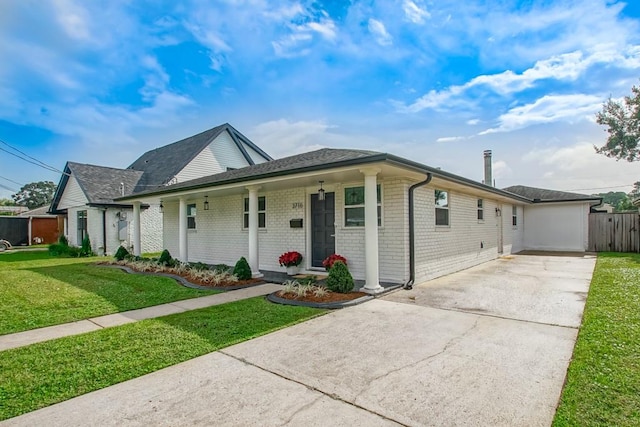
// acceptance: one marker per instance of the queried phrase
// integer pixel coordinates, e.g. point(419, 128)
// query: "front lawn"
point(603, 381)
point(46, 373)
point(38, 290)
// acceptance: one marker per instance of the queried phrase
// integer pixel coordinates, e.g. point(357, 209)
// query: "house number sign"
point(296, 205)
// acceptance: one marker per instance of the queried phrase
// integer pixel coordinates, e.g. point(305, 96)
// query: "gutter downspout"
point(104, 232)
point(412, 239)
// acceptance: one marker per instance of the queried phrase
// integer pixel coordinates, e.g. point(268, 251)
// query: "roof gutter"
point(412, 239)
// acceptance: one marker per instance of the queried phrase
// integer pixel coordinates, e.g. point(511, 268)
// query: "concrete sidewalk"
point(33, 336)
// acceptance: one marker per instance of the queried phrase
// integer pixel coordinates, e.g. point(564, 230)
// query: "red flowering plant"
point(290, 259)
point(328, 262)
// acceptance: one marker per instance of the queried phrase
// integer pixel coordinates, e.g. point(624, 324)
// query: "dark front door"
point(323, 215)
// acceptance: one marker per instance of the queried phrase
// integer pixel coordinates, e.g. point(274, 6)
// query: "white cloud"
point(414, 13)
point(377, 28)
point(73, 19)
point(501, 170)
point(208, 38)
point(287, 47)
point(579, 168)
point(450, 138)
point(473, 122)
point(327, 28)
point(282, 138)
point(565, 67)
point(548, 109)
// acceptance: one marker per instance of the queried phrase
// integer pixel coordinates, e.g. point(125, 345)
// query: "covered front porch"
point(315, 213)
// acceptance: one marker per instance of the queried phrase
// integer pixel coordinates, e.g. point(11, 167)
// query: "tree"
point(622, 119)
point(35, 194)
point(7, 202)
point(635, 192)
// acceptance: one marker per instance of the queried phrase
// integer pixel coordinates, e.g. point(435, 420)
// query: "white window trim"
point(514, 215)
point(195, 221)
point(345, 206)
point(264, 211)
point(448, 208)
point(480, 208)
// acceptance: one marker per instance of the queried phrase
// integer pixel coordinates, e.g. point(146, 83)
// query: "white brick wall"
point(219, 237)
point(443, 250)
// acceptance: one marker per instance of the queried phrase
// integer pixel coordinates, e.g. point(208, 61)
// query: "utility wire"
point(10, 180)
point(8, 188)
point(30, 161)
point(43, 164)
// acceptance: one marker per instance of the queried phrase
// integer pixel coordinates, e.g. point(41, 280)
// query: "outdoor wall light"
point(321, 191)
point(161, 207)
point(498, 212)
point(206, 203)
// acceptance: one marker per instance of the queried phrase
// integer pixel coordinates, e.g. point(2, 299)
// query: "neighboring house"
point(395, 220)
point(556, 220)
point(43, 227)
point(86, 193)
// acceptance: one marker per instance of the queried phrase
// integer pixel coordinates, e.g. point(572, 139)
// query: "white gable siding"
point(222, 153)
point(255, 156)
point(72, 195)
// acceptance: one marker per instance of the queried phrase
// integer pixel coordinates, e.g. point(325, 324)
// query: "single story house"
point(395, 220)
point(86, 195)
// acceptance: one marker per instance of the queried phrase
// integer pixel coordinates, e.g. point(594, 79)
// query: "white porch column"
point(136, 229)
point(182, 231)
point(254, 260)
point(372, 282)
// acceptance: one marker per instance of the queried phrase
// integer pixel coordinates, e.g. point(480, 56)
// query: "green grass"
point(46, 373)
point(38, 290)
point(603, 381)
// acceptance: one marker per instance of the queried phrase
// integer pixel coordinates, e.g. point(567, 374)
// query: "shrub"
point(242, 270)
point(85, 249)
point(165, 259)
point(331, 259)
point(63, 240)
point(198, 266)
point(340, 279)
point(121, 253)
point(74, 252)
point(222, 268)
point(58, 249)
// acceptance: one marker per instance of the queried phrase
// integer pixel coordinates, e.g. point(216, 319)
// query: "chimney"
point(488, 175)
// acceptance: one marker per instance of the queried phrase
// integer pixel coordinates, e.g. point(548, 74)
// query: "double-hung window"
point(354, 206)
point(514, 216)
point(262, 212)
point(442, 207)
point(82, 226)
point(480, 210)
point(191, 216)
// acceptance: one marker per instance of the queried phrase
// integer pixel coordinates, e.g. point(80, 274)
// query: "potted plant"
point(291, 260)
point(328, 262)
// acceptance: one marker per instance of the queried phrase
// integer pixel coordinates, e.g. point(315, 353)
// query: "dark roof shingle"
point(540, 195)
point(103, 184)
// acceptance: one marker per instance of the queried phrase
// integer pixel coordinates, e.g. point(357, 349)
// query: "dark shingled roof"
point(160, 165)
point(541, 195)
point(102, 184)
point(319, 159)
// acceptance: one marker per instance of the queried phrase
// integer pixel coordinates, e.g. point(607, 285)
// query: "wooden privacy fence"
point(614, 232)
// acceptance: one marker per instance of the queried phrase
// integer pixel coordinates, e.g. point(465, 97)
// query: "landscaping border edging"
point(330, 305)
point(184, 282)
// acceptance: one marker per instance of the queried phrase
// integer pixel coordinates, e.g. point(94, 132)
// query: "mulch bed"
point(329, 297)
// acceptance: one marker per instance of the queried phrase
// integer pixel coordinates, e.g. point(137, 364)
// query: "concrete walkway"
point(488, 346)
point(33, 336)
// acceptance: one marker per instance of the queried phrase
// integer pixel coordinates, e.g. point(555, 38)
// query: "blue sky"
point(102, 82)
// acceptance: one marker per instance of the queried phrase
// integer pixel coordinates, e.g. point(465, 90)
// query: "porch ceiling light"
point(206, 203)
point(321, 191)
point(161, 207)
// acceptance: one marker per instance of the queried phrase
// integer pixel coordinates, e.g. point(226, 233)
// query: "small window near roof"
point(480, 210)
point(442, 207)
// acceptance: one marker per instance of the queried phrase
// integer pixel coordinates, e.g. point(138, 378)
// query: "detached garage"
point(556, 220)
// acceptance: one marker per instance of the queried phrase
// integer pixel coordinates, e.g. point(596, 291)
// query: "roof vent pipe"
point(488, 174)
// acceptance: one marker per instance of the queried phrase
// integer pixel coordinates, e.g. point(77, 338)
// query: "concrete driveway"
point(487, 346)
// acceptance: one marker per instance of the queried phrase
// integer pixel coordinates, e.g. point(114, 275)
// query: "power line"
point(41, 163)
point(29, 161)
point(8, 188)
point(10, 180)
